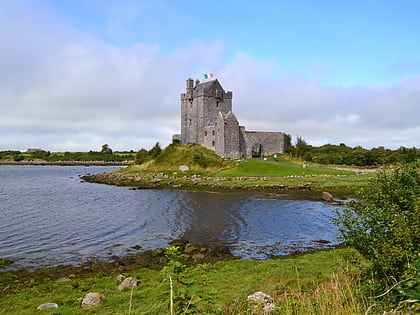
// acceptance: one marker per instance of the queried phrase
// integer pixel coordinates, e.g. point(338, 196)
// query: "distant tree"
point(18, 158)
point(106, 149)
point(41, 155)
point(155, 151)
point(142, 156)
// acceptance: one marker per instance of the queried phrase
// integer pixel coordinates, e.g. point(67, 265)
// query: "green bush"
point(386, 226)
point(142, 156)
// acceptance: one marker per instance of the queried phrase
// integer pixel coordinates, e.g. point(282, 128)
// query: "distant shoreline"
point(68, 163)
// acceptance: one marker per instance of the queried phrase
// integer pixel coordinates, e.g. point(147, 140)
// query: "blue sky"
point(77, 74)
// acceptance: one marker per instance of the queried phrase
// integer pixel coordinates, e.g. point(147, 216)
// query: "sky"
point(77, 74)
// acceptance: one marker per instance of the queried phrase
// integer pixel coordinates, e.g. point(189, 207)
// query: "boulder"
point(198, 256)
point(92, 299)
point(120, 277)
point(128, 283)
point(183, 168)
point(47, 305)
point(189, 248)
point(326, 196)
point(262, 301)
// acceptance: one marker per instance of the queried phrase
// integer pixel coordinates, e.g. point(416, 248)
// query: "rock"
point(183, 168)
point(47, 305)
point(189, 248)
point(128, 283)
point(92, 299)
point(197, 256)
point(326, 196)
point(262, 300)
point(120, 277)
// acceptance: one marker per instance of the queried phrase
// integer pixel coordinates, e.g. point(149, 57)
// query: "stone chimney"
point(190, 84)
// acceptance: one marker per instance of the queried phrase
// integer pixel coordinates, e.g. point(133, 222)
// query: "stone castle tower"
point(207, 119)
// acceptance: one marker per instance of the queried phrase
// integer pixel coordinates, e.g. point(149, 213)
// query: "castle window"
point(212, 132)
point(205, 133)
point(190, 122)
point(217, 104)
point(212, 143)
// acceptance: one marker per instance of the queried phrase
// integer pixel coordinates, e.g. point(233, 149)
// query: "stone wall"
point(271, 142)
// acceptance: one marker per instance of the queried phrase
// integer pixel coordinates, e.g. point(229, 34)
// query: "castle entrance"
point(257, 150)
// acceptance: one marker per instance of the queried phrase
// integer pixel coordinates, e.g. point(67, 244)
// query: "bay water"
point(49, 216)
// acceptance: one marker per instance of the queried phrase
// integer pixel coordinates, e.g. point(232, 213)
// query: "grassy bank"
point(250, 175)
point(320, 282)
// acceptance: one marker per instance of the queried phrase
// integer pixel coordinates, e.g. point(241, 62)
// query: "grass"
point(310, 283)
point(257, 167)
point(194, 156)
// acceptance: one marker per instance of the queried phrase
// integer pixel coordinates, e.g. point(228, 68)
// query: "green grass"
point(257, 167)
point(295, 281)
point(194, 156)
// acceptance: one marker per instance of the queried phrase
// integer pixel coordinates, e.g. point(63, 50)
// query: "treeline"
point(106, 155)
point(345, 155)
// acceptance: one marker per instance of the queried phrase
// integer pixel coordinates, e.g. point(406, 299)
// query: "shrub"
point(386, 226)
point(142, 156)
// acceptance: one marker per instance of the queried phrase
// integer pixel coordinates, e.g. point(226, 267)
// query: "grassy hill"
point(194, 156)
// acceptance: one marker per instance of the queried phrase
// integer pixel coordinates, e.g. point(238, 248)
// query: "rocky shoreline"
point(144, 181)
point(263, 185)
point(15, 280)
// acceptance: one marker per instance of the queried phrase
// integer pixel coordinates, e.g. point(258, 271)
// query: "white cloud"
point(360, 115)
point(62, 89)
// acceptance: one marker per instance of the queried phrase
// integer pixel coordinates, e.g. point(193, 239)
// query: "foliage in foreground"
point(322, 282)
point(386, 229)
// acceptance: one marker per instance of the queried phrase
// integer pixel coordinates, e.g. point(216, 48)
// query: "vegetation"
point(175, 155)
point(344, 155)
point(256, 167)
point(386, 229)
point(321, 282)
point(105, 155)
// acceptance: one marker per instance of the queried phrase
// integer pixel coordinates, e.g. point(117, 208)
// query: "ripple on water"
point(49, 216)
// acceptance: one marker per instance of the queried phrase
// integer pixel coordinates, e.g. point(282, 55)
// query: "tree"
point(386, 227)
point(155, 151)
point(106, 149)
point(142, 156)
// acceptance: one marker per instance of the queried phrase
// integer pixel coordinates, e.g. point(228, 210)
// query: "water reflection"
point(49, 215)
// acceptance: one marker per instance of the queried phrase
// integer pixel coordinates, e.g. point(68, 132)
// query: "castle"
point(207, 119)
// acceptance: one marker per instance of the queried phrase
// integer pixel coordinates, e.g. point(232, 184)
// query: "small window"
point(212, 143)
point(212, 132)
point(205, 133)
point(190, 122)
point(217, 104)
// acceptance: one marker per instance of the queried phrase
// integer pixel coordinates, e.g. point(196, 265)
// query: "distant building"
point(207, 119)
point(32, 150)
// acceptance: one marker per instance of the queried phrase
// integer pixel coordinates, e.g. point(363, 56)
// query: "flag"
point(207, 76)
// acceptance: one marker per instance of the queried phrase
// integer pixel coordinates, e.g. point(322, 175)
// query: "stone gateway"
point(207, 119)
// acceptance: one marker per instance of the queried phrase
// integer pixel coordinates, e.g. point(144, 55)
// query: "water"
point(49, 217)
